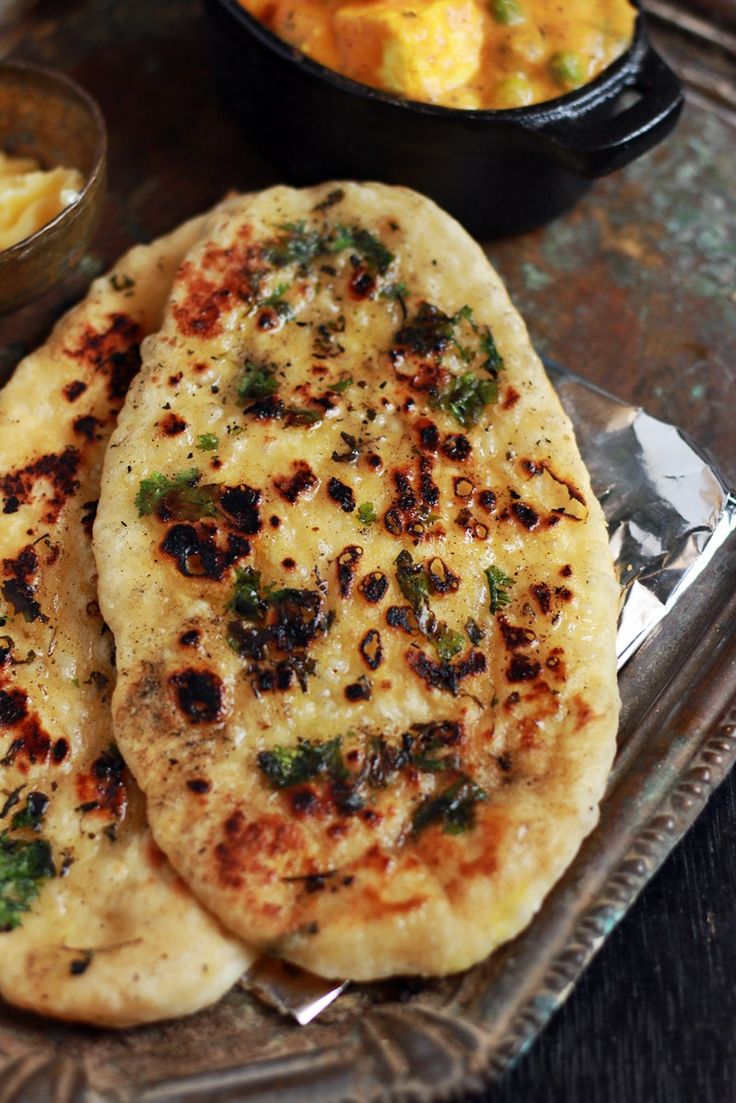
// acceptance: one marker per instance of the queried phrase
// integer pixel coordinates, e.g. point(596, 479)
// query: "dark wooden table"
point(636, 290)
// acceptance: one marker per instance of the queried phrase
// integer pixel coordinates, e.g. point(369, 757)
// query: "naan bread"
point(101, 928)
point(364, 607)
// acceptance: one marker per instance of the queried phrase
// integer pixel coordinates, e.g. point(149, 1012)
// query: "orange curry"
point(458, 53)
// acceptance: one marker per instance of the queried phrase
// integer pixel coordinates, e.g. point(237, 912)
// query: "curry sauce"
point(471, 54)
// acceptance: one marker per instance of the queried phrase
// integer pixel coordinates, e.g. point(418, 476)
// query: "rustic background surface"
point(636, 290)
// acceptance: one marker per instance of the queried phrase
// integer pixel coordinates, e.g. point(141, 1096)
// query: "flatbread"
point(106, 932)
point(360, 590)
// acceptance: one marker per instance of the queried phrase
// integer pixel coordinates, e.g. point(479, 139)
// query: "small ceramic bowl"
point(47, 116)
point(498, 172)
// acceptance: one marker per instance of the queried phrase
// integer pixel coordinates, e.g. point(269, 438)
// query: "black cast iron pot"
point(498, 172)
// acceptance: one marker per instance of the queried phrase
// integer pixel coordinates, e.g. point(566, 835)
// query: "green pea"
point(567, 69)
point(514, 91)
point(507, 12)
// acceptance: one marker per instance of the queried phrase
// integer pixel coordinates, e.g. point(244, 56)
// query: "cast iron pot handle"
point(604, 145)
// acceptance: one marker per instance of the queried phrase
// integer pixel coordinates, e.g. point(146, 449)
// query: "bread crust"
point(211, 692)
point(114, 938)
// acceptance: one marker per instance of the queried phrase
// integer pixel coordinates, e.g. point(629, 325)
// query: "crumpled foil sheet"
point(668, 511)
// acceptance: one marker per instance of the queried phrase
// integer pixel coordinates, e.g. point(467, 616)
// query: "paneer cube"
point(420, 50)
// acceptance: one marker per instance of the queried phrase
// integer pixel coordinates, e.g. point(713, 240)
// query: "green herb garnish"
point(249, 601)
point(287, 766)
point(296, 244)
point(24, 866)
point(494, 360)
point(246, 600)
point(474, 631)
point(341, 385)
point(453, 808)
point(299, 245)
point(493, 363)
point(429, 748)
point(414, 585)
point(373, 251)
point(397, 290)
point(33, 813)
point(413, 580)
point(259, 381)
point(367, 514)
point(178, 496)
point(466, 397)
point(277, 302)
point(302, 415)
point(448, 643)
point(208, 442)
point(276, 295)
point(498, 584)
point(430, 333)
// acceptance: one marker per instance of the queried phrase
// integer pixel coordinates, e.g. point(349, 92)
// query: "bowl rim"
point(608, 82)
point(68, 213)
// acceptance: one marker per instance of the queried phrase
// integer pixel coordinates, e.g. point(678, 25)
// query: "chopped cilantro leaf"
point(394, 291)
point(448, 643)
point(414, 585)
point(287, 766)
point(413, 580)
point(475, 633)
point(24, 866)
point(428, 333)
point(273, 594)
point(259, 381)
point(340, 239)
point(299, 245)
point(494, 360)
point(367, 514)
point(276, 295)
point(342, 384)
point(296, 244)
point(465, 314)
point(33, 813)
point(275, 301)
point(453, 808)
point(208, 442)
point(178, 496)
point(498, 584)
point(301, 415)
point(247, 601)
point(373, 251)
point(431, 332)
point(466, 397)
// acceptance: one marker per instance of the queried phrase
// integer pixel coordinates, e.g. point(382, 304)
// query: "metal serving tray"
point(433, 1041)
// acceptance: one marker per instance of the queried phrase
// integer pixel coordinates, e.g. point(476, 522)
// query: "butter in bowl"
point(53, 151)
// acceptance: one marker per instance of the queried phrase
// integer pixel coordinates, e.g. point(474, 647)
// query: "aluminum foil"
point(668, 511)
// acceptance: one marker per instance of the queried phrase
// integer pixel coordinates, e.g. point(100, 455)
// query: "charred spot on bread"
point(199, 694)
point(347, 564)
point(113, 352)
